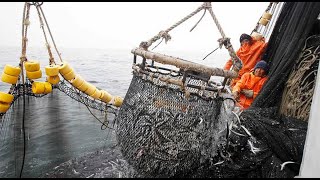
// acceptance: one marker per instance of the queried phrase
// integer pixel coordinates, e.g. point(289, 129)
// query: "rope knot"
point(23, 58)
point(144, 45)
point(206, 5)
point(224, 41)
point(165, 35)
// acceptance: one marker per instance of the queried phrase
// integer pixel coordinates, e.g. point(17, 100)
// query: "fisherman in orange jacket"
point(250, 52)
point(250, 84)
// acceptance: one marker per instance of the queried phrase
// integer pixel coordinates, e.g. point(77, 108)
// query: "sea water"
point(60, 130)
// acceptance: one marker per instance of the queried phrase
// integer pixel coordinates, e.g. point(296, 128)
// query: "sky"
point(108, 25)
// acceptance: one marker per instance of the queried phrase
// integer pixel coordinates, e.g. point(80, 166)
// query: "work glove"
point(247, 92)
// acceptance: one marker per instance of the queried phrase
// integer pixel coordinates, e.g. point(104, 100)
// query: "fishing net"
point(165, 132)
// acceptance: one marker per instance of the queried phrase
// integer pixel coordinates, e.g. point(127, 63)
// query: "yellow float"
point(264, 21)
point(4, 107)
point(96, 94)
point(84, 86)
point(12, 70)
point(52, 70)
point(117, 101)
point(105, 96)
point(267, 15)
point(47, 88)
point(5, 97)
point(64, 68)
point(77, 81)
point(91, 89)
point(32, 65)
point(34, 74)
point(9, 79)
point(38, 87)
point(70, 75)
point(53, 79)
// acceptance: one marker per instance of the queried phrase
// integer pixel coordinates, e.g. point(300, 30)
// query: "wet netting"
point(166, 129)
point(163, 130)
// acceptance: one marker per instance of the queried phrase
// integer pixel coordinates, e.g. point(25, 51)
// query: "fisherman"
point(250, 52)
point(250, 84)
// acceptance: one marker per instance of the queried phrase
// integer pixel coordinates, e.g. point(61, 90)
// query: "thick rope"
point(44, 17)
point(237, 63)
point(164, 34)
point(51, 59)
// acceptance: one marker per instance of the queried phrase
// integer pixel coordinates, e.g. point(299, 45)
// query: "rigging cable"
point(45, 20)
point(211, 53)
point(25, 22)
point(103, 123)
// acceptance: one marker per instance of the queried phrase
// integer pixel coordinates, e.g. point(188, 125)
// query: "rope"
point(146, 45)
point(205, 10)
point(51, 59)
point(22, 59)
point(237, 63)
point(210, 53)
point(297, 95)
point(24, 133)
point(44, 17)
point(102, 122)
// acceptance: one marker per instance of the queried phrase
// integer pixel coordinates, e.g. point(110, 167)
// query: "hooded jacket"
point(252, 82)
point(249, 55)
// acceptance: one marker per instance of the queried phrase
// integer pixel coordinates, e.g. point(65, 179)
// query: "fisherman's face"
point(245, 42)
point(259, 72)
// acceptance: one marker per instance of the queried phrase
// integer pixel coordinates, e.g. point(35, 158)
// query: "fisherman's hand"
point(247, 92)
point(236, 95)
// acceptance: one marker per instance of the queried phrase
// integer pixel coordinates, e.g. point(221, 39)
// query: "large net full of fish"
point(163, 132)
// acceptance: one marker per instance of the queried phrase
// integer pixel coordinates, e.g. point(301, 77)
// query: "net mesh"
point(164, 133)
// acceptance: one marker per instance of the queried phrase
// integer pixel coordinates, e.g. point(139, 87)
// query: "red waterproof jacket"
point(252, 82)
point(249, 55)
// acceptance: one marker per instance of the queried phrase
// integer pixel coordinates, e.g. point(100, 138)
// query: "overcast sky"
point(125, 24)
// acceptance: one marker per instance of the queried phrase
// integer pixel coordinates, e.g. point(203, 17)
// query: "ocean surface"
point(63, 138)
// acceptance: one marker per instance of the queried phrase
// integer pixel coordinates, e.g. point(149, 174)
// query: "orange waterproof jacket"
point(249, 55)
point(252, 82)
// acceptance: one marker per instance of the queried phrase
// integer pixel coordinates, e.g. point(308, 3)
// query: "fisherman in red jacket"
point(250, 84)
point(250, 52)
